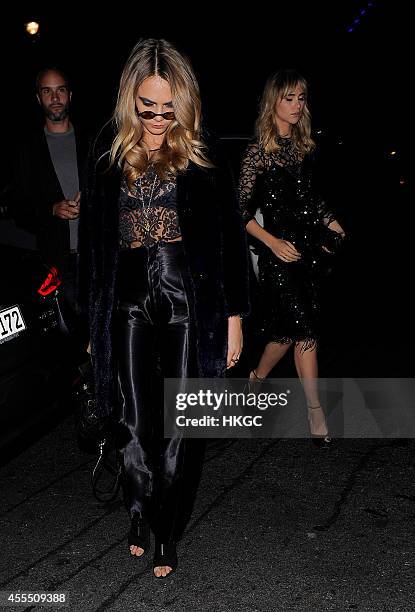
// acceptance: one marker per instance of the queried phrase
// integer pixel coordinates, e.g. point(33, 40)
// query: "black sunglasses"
point(150, 115)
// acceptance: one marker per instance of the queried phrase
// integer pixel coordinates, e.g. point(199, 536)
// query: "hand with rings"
point(235, 341)
point(284, 250)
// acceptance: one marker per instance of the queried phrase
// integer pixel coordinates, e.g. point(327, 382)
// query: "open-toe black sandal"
point(139, 534)
point(165, 555)
point(319, 440)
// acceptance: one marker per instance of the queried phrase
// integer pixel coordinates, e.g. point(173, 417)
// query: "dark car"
point(33, 372)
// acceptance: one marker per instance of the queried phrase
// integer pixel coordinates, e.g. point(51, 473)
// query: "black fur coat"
point(214, 242)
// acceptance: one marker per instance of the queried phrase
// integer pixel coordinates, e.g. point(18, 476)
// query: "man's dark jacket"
point(214, 242)
point(36, 189)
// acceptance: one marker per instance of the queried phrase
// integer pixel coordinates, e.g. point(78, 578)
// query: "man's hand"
point(67, 209)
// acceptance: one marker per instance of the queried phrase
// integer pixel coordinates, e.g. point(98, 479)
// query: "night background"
point(277, 525)
point(356, 57)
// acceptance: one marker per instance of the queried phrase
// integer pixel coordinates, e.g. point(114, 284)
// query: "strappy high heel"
point(253, 384)
point(258, 378)
point(165, 555)
point(320, 440)
point(139, 534)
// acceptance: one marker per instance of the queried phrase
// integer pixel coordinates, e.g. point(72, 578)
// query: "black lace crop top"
point(149, 214)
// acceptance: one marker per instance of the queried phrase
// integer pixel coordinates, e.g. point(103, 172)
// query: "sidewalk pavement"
point(278, 525)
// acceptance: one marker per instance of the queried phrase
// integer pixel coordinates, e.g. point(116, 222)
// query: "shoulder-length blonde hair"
point(182, 142)
point(278, 86)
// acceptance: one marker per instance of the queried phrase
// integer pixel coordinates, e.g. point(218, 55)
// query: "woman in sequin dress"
point(277, 176)
point(168, 282)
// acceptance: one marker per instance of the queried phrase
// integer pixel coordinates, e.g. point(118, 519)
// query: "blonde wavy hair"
point(182, 142)
point(278, 86)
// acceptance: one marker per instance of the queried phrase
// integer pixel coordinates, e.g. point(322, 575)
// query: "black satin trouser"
point(155, 341)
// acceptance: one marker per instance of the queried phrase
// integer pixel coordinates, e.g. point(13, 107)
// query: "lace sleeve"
point(252, 166)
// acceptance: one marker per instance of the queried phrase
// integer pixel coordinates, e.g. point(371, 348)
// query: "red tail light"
point(51, 282)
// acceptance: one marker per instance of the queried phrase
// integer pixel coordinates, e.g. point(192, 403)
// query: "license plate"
point(11, 323)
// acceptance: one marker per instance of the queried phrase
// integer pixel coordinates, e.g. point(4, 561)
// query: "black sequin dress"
point(280, 185)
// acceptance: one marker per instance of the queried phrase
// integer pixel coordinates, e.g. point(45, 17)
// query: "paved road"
point(278, 525)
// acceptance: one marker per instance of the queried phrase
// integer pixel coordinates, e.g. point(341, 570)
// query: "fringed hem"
point(309, 344)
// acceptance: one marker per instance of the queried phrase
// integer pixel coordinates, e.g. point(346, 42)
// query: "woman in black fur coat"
point(167, 279)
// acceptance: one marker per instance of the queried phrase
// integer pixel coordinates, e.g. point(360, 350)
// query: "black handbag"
point(91, 426)
point(95, 434)
point(333, 241)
